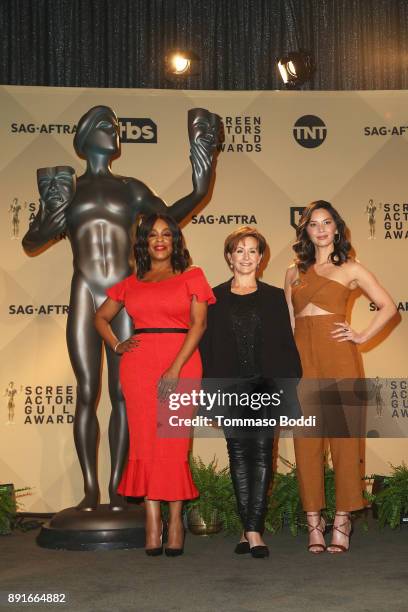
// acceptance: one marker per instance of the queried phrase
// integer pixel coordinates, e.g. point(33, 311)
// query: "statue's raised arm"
point(204, 131)
point(57, 189)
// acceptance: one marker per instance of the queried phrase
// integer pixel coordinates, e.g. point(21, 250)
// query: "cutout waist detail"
point(325, 293)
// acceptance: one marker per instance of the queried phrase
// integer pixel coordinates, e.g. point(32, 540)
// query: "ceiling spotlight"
point(295, 68)
point(181, 63)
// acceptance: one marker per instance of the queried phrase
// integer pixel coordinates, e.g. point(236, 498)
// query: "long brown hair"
point(304, 247)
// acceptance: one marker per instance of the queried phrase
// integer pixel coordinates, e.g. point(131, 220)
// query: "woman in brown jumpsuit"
point(317, 287)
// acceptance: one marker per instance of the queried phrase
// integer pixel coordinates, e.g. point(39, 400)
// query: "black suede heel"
point(259, 552)
point(242, 548)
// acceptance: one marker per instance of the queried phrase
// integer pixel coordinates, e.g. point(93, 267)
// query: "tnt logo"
point(295, 215)
point(141, 130)
point(310, 131)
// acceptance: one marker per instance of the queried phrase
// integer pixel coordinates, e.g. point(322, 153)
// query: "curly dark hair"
point(304, 247)
point(180, 257)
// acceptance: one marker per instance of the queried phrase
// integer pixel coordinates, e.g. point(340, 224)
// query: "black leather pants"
point(251, 471)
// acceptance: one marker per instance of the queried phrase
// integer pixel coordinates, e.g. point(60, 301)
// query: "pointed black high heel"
point(175, 552)
point(156, 552)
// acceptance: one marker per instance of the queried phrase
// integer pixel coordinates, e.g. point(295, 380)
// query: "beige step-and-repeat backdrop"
point(282, 150)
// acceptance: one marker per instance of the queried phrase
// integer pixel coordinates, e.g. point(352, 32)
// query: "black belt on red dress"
point(160, 330)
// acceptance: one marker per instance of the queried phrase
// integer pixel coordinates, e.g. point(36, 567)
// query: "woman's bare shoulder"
point(353, 266)
point(291, 272)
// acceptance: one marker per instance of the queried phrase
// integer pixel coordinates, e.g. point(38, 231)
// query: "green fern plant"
point(329, 493)
point(392, 500)
point(284, 503)
point(9, 504)
point(216, 494)
point(228, 511)
point(8, 509)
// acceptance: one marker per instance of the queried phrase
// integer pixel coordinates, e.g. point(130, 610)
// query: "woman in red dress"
point(167, 301)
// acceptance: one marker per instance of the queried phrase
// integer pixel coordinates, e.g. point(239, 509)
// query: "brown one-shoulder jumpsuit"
point(323, 357)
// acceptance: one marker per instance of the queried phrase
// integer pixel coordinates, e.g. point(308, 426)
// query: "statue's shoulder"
point(131, 181)
point(137, 187)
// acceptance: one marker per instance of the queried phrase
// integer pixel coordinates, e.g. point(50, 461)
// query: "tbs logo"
point(310, 131)
point(141, 130)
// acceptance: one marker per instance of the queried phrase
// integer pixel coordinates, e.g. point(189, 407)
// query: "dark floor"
point(373, 576)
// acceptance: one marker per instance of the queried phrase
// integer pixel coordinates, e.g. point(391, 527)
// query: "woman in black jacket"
point(249, 339)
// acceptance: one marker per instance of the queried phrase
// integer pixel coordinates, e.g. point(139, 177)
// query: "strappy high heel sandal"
point(321, 528)
point(336, 549)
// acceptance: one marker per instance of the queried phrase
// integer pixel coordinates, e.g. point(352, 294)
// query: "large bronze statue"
point(96, 213)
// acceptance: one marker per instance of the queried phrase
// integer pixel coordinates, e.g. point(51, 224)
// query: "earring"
point(337, 235)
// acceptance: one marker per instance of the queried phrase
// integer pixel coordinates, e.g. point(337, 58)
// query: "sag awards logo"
point(388, 395)
point(131, 129)
point(10, 393)
point(17, 209)
point(48, 405)
point(399, 397)
point(371, 211)
point(43, 405)
point(243, 134)
point(376, 391)
point(310, 131)
point(395, 219)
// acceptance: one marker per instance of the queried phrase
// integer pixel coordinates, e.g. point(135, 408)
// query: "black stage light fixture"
point(295, 68)
point(181, 63)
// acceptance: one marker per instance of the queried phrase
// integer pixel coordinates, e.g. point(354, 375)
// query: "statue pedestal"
point(100, 529)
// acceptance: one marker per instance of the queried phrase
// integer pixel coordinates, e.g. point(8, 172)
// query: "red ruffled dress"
point(157, 467)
